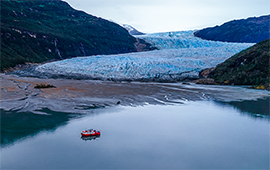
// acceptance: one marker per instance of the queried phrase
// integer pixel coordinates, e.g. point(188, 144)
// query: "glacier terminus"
point(181, 56)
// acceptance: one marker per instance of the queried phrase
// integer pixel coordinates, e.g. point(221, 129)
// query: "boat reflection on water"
point(86, 138)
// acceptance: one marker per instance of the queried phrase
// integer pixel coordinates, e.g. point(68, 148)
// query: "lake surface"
point(193, 135)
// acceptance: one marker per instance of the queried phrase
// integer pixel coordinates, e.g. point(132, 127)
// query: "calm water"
point(194, 135)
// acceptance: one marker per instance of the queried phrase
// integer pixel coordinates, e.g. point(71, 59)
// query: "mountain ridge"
point(38, 31)
point(250, 30)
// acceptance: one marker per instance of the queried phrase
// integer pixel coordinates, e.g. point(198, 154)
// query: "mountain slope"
point(251, 30)
point(249, 67)
point(37, 31)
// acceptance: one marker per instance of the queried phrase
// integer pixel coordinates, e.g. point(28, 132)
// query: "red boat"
point(90, 132)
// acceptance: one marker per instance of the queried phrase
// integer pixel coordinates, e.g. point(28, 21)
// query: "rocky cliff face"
point(37, 31)
point(251, 30)
point(249, 67)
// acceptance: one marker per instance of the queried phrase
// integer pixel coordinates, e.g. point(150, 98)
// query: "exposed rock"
point(20, 67)
point(204, 73)
point(208, 81)
point(142, 45)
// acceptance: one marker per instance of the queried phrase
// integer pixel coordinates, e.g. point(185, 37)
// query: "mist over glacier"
point(180, 56)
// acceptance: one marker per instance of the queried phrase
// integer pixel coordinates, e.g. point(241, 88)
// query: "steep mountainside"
point(249, 67)
point(251, 30)
point(37, 31)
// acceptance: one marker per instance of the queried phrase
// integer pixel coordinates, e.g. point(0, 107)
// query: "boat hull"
point(91, 134)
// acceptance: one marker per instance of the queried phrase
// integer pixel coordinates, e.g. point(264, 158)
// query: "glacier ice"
point(183, 39)
point(181, 56)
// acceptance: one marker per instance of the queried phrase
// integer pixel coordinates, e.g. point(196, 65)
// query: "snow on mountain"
point(131, 30)
point(181, 56)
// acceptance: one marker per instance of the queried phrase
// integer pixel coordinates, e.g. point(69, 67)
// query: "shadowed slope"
point(37, 31)
point(251, 30)
point(249, 67)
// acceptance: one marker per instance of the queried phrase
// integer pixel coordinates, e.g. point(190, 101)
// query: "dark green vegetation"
point(40, 86)
point(42, 30)
point(249, 67)
point(251, 30)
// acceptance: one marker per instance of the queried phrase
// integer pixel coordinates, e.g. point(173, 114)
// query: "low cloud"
point(172, 15)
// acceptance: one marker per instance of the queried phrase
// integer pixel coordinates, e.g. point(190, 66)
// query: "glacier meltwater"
point(181, 55)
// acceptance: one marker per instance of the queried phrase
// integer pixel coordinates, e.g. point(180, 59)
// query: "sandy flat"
point(79, 96)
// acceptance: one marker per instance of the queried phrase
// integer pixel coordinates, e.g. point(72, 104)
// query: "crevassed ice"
point(183, 39)
point(181, 56)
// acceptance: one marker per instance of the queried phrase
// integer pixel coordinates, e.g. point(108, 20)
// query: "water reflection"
point(87, 138)
point(195, 135)
point(256, 109)
point(21, 125)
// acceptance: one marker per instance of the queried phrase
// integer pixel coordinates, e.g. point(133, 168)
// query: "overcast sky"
point(172, 15)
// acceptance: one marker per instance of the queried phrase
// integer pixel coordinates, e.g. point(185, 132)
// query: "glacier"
point(184, 39)
point(181, 56)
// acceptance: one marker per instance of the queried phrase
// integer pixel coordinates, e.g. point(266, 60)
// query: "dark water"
point(194, 135)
